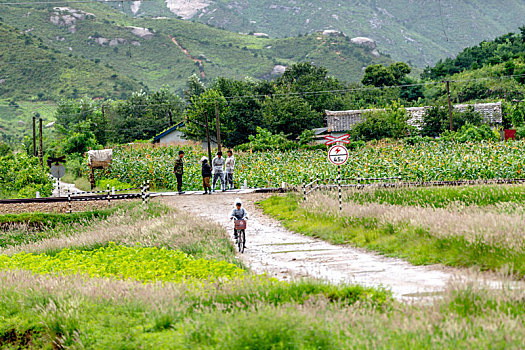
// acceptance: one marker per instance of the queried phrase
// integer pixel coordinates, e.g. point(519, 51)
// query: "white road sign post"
point(58, 171)
point(338, 155)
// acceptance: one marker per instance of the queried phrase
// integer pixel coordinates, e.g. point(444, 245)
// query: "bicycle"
point(240, 227)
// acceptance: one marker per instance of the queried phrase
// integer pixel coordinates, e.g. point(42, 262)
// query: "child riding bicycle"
point(238, 213)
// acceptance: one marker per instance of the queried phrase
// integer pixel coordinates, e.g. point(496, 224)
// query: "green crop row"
point(430, 161)
point(146, 264)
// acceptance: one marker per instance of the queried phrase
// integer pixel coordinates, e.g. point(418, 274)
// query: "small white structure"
point(100, 158)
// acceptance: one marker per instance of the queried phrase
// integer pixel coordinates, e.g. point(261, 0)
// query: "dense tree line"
point(502, 49)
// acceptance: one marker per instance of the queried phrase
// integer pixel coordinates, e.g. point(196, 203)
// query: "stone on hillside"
point(278, 70)
point(65, 16)
point(364, 41)
point(331, 32)
point(144, 33)
point(186, 9)
point(135, 7)
point(101, 41)
point(261, 35)
point(117, 41)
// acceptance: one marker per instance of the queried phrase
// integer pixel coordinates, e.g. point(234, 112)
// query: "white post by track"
point(142, 194)
point(109, 194)
point(69, 201)
point(338, 155)
point(339, 186)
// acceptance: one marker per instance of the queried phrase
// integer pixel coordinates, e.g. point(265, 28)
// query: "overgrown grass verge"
point(258, 313)
point(29, 228)
point(441, 197)
point(415, 244)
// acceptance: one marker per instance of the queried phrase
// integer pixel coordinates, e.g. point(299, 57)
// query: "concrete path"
point(286, 255)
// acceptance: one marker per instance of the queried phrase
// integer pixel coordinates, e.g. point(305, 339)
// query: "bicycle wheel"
point(242, 239)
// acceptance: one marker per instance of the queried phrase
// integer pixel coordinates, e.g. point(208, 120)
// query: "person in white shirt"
point(218, 171)
point(229, 167)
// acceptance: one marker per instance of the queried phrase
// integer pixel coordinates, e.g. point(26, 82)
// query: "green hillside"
point(167, 51)
point(33, 74)
point(421, 32)
point(31, 70)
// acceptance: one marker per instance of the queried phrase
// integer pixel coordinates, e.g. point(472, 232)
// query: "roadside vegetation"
point(479, 226)
point(102, 285)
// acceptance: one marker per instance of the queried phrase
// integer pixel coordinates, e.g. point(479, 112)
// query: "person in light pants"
point(229, 167)
point(218, 171)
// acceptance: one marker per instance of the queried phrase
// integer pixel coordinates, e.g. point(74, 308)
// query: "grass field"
point(480, 226)
point(109, 283)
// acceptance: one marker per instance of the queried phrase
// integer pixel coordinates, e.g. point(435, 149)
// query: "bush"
point(21, 176)
point(436, 120)
point(391, 123)
point(520, 133)
point(265, 140)
point(4, 149)
point(471, 133)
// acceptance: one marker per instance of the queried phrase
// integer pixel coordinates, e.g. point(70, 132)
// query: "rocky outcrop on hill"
point(186, 9)
point(68, 17)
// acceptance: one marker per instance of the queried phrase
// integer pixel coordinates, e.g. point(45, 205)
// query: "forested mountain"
point(158, 52)
point(416, 31)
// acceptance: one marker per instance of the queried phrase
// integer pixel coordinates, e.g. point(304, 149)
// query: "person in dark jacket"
point(206, 175)
point(179, 171)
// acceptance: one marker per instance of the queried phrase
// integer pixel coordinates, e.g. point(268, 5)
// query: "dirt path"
point(187, 53)
point(286, 255)
point(64, 188)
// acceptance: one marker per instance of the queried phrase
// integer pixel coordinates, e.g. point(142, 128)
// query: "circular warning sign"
point(58, 171)
point(338, 155)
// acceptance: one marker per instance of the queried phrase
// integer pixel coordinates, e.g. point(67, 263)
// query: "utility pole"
point(218, 126)
point(449, 106)
point(208, 137)
point(40, 153)
point(34, 136)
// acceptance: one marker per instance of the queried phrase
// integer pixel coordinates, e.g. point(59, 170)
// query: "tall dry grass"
point(495, 226)
point(468, 314)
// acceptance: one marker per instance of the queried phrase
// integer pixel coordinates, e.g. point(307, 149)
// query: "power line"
point(442, 22)
point(66, 2)
point(313, 93)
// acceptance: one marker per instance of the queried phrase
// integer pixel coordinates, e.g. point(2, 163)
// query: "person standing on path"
point(179, 171)
point(206, 175)
point(218, 171)
point(229, 167)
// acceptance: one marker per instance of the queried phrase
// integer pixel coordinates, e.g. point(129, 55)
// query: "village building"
point(339, 122)
point(175, 136)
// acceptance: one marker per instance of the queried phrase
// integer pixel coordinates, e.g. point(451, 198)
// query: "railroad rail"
point(86, 196)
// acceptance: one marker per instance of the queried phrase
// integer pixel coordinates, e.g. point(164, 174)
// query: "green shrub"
point(391, 123)
point(520, 133)
point(21, 176)
point(471, 133)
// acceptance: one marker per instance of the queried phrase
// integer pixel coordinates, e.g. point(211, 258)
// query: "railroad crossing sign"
point(332, 139)
point(58, 171)
point(338, 155)
point(56, 161)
